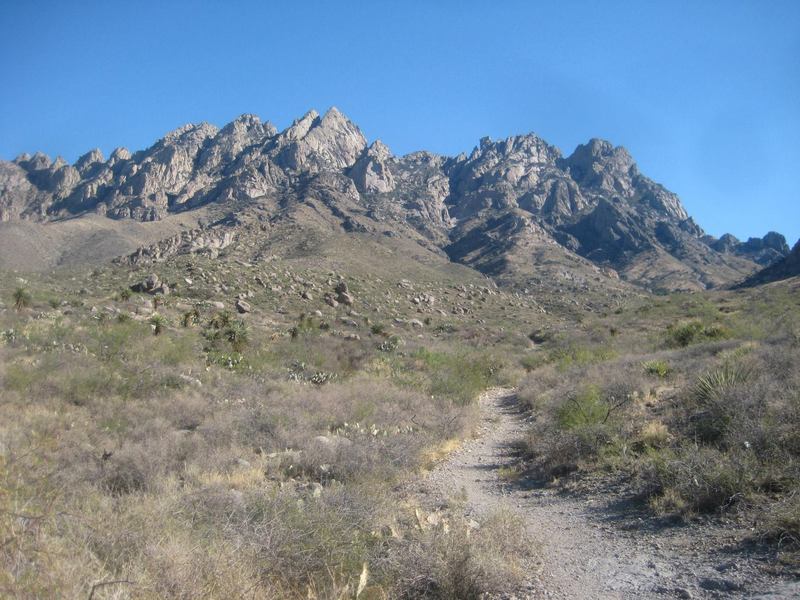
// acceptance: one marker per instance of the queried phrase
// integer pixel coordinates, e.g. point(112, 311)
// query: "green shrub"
point(457, 376)
point(585, 408)
point(575, 355)
point(693, 332)
point(659, 368)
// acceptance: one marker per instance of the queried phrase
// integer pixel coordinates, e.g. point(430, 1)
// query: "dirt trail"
point(591, 547)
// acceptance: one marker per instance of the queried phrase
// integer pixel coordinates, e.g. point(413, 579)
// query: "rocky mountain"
point(784, 268)
point(515, 209)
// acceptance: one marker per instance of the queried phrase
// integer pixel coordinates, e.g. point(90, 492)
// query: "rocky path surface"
point(591, 547)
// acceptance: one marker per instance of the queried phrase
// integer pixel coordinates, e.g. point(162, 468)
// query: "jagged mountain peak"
point(531, 145)
point(599, 162)
point(189, 132)
point(90, 158)
point(520, 191)
point(315, 143)
point(300, 127)
point(379, 150)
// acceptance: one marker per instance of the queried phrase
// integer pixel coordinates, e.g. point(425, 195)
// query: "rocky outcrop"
point(764, 251)
point(152, 285)
point(371, 172)
point(196, 241)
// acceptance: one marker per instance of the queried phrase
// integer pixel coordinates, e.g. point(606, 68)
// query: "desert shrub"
point(29, 501)
point(702, 479)
point(457, 376)
point(298, 543)
point(654, 435)
point(783, 521)
point(573, 355)
point(190, 317)
point(692, 332)
point(390, 344)
point(236, 334)
point(462, 562)
point(587, 407)
point(659, 368)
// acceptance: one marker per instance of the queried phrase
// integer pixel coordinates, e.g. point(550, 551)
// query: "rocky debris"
point(242, 306)
point(151, 285)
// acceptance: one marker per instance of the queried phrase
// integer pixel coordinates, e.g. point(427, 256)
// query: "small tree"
point(22, 298)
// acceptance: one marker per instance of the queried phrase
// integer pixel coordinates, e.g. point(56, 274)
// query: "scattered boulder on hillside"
point(330, 300)
point(151, 285)
point(343, 295)
point(242, 306)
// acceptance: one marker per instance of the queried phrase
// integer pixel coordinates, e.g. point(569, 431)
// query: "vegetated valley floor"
point(594, 546)
point(282, 424)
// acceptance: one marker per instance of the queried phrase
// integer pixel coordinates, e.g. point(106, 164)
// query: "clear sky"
point(705, 95)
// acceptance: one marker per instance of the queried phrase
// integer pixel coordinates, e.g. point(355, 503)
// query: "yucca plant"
point(22, 298)
point(713, 384)
point(236, 333)
point(711, 392)
point(158, 323)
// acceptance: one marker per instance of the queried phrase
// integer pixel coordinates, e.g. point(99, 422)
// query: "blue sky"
point(705, 95)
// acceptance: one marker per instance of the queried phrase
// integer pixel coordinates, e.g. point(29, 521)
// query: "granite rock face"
point(506, 205)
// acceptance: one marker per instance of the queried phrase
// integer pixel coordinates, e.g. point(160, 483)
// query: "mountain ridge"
point(496, 208)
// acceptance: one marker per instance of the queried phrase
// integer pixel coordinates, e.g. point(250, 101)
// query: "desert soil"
point(597, 544)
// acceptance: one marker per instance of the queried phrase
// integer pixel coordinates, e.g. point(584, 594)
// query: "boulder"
point(242, 306)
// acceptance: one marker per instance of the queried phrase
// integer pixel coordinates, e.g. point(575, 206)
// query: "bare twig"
point(100, 584)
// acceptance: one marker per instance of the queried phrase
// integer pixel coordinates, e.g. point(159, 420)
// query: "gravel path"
point(592, 547)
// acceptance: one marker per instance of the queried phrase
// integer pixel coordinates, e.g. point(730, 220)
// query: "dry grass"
point(708, 424)
point(208, 462)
